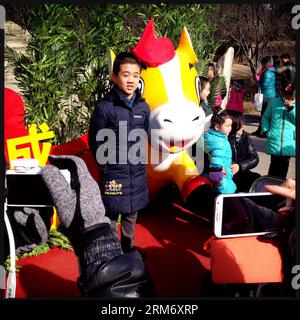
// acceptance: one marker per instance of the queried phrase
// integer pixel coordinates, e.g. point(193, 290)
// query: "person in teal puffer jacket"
point(217, 146)
point(266, 82)
point(279, 122)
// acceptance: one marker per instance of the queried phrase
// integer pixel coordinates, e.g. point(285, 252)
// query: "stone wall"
point(16, 39)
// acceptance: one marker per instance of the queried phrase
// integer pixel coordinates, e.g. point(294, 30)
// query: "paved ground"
point(259, 143)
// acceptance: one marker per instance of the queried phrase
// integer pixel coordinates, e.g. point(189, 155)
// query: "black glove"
point(105, 271)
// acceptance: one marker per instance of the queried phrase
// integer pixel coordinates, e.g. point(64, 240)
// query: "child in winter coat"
point(236, 97)
point(124, 186)
point(244, 155)
point(218, 147)
point(278, 123)
point(266, 82)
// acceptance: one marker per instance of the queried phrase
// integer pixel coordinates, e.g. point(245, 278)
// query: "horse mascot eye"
point(141, 85)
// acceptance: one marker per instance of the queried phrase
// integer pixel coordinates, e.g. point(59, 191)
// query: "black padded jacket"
point(243, 152)
point(123, 184)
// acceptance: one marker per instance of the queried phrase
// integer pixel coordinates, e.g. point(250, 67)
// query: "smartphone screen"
point(250, 214)
point(27, 190)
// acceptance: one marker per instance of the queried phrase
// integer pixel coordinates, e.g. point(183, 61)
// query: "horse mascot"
point(170, 85)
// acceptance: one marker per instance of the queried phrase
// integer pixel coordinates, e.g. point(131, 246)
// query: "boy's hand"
point(235, 168)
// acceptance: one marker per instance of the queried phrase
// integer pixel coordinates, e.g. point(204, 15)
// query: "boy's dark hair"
point(125, 57)
point(219, 117)
point(266, 61)
point(288, 86)
point(203, 82)
point(237, 120)
point(285, 56)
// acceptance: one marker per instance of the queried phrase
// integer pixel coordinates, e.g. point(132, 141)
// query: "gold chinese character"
point(33, 138)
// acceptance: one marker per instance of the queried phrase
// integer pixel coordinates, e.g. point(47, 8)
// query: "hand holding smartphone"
point(246, 214)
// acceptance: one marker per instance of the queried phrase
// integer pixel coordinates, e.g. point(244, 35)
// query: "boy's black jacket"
point(123, 184)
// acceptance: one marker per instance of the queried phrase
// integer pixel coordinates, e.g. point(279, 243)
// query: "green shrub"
point(63, 73)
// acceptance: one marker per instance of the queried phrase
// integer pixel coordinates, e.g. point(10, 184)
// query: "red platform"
point(171, 238)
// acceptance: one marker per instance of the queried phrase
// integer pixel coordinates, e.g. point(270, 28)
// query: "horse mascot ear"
point(111, 59)
point(185, 47)
point(224, 66)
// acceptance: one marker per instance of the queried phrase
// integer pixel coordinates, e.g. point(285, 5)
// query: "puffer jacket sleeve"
point(266, 119)
point(216, 150)
point(252, 157)
point(98, 121)
point(267, 83)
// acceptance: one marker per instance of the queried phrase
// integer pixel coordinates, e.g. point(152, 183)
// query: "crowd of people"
point(276, 81)
point(230, 154)
point(229, 151)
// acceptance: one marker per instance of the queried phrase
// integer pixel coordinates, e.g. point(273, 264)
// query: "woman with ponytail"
point(278, 123)
point(266, 80)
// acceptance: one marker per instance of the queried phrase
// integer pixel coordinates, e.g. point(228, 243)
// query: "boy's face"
point(127, 79)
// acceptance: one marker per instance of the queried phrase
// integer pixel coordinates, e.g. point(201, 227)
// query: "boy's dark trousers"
point(279, 166)
point(128, 221)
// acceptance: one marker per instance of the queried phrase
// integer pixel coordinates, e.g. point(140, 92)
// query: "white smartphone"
point(246, 214)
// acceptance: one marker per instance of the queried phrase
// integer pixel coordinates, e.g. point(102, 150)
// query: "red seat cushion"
point(245, 260)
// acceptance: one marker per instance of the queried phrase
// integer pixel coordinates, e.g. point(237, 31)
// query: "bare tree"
point(250, 27)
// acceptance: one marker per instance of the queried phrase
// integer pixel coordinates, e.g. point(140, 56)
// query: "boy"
point(123, 182)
